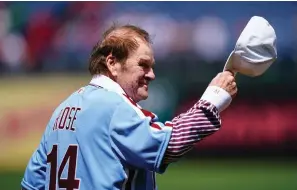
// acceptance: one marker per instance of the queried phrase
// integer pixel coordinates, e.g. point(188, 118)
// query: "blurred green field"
point(210, 175)
point(231, 175)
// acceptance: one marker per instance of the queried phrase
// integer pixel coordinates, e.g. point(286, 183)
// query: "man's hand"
point(226, 81)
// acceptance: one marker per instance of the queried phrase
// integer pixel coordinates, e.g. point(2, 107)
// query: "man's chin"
point(143, 96)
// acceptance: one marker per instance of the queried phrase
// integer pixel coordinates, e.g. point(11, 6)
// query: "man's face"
point(134, 76)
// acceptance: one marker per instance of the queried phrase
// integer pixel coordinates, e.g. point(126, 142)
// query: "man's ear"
point(111, 65)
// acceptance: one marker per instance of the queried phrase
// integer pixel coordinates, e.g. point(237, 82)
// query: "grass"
point(210, 175)
point(230, 175)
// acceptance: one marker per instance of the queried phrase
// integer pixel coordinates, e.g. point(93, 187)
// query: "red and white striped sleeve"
point(200, 121)
point(188, 128)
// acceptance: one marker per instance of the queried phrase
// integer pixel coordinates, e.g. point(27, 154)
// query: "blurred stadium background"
point(44, 50)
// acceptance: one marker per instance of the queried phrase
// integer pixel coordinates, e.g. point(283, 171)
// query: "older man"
point(100, 138)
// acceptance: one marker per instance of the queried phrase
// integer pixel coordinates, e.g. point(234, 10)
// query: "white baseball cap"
point(255, 49)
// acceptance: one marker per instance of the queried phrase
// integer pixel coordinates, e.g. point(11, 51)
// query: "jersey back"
point(80, 150)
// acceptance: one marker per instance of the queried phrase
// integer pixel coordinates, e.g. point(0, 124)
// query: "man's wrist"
point(217, 96)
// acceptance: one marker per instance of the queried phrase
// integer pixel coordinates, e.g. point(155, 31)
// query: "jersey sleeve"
point(138, 138)
point(35, 173)
point(200, 121)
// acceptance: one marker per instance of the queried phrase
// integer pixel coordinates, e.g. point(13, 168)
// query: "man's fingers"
point(230, 78)
point(233, 85)
point(233, 73)
point(226, 81)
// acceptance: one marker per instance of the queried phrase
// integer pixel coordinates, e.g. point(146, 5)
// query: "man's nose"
point(150, 75)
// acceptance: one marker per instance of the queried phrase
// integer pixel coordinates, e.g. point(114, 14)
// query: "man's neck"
point(107, 83)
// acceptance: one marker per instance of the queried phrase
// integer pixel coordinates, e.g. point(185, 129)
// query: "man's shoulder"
point(103, 96)
point(98, 97)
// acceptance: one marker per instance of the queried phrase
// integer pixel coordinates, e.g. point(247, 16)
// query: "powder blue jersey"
point(98, 139)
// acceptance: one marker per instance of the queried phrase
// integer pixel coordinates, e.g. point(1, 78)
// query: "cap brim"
point(228, 65)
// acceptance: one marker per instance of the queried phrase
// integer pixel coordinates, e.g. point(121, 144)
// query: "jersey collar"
point(107, 83)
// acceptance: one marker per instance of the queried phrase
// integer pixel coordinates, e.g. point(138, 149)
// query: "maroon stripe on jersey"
point(145, 112)
point(190, 127)
point(194, 119)
point(130, 99)
point(168, 124)
point(148, 113)
point(188, 133)
point(156, 126)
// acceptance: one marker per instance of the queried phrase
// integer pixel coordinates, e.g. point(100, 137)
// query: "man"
point(100, 138)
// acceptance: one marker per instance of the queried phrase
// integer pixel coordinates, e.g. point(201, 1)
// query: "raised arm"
point(202, 119)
